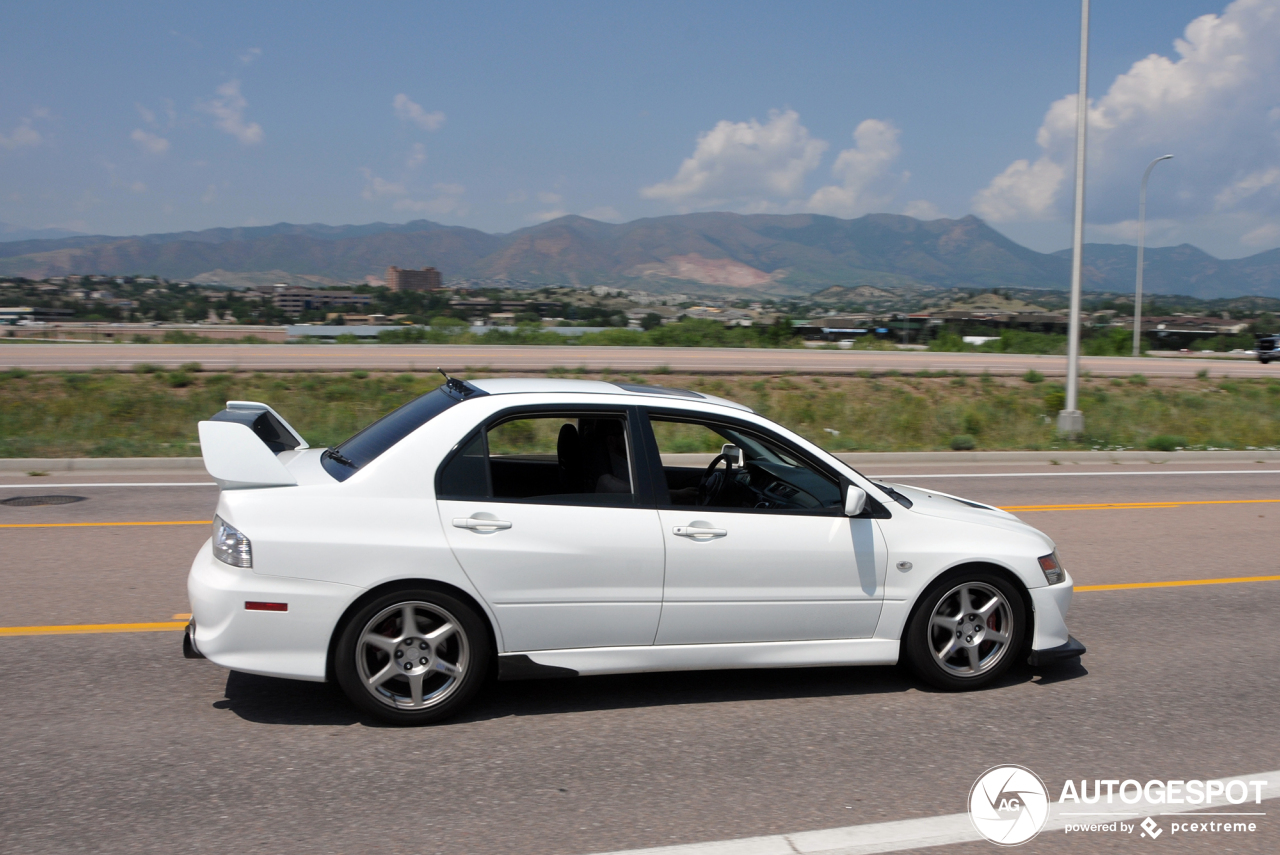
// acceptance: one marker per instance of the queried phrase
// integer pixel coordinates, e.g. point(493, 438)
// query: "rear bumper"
point(293, 643)
point(1072, 649)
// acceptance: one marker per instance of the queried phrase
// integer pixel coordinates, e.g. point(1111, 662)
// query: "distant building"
point(426, 279)
point(294, 300)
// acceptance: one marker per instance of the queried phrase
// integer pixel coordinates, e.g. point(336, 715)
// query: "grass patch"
point(148, 414)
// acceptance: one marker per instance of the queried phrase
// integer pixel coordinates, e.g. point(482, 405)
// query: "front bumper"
point(292, 643)
point(1072, 649)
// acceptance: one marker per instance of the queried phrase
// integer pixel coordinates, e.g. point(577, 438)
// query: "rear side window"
point(562, 458)
point(343, 460)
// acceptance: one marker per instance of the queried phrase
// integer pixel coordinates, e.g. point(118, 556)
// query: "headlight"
point(1050, 564)
point(232, 547)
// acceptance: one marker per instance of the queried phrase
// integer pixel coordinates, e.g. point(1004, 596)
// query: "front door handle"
point(697, 531)
point(480, 525)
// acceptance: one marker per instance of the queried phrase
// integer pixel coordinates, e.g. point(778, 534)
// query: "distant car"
point(551, 528)
point(1267, 347)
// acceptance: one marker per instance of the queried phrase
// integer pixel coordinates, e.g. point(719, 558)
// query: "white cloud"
point(227, 110)
point(922, 209)
point(1213, 106)
point(604, 213)
point(1265, 235)
point(547, 216)
point(148, 116)
point(516, 197)
point(149, 142)
point(550, 198)
point(448, 200)
point(746, 165)
point(865, 183)
point(248, 56)
point(408, 111)
point(378, 188)
point(417, 156)
point(137, 187)
point(23, 135)
point(210, 194)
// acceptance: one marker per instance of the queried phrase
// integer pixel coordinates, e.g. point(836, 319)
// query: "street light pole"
point(1142, 239)
point(1070, 419)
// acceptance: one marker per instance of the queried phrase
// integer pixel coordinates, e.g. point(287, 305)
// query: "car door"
point(552, 520)
point(762, 552)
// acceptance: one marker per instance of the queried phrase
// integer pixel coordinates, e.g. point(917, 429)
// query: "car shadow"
point(271, 700)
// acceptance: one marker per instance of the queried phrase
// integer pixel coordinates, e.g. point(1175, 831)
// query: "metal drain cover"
point(32, 501)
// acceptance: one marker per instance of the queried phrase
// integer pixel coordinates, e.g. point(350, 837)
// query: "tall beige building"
point(426, 279)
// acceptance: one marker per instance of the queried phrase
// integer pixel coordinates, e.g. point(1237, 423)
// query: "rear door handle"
point(698, 531)
point(480, 525)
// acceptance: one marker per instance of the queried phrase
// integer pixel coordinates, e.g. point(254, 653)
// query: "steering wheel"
point(713, 481)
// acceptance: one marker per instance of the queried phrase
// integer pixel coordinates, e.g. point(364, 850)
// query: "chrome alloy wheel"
point(412, 656)
point(970, 630)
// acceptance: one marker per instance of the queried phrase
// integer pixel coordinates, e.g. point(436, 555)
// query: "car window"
point(343, 460)
point(773, 477)
point(565, 458)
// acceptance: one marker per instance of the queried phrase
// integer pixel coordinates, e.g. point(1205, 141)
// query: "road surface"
point(112, 742)
point(536, 359)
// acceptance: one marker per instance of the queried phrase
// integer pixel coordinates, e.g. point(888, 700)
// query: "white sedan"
point(548, 528)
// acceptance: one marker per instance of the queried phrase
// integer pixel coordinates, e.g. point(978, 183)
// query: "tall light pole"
point(1070, 419)
point(1142, 239)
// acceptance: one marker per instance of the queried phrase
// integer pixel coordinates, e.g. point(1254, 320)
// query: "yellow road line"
point(1111, 506)
point(1128, 586)
point(92, 628)
point(97, 524)
point(182, 617)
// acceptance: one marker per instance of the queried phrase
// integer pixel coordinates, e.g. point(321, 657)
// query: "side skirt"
point(696, 657)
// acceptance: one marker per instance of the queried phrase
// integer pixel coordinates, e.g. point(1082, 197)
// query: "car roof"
point(544, 385)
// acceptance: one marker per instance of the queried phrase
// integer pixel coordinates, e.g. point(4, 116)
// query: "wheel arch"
point(965, 567)
point(405, 585)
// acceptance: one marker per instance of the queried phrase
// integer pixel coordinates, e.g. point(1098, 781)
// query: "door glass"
point(576, 459)
point(771, 479)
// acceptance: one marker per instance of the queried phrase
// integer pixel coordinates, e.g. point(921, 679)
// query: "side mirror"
point(855, 500)
point(732, 455)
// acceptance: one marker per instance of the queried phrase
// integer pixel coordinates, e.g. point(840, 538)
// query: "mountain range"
point(759, 255)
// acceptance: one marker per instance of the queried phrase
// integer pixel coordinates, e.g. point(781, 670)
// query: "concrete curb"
point(854, 458)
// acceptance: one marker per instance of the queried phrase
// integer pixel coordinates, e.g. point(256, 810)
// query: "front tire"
point(967, 631)
point(413, 657)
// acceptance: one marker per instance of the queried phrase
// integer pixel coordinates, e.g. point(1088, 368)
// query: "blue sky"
point(163, 117)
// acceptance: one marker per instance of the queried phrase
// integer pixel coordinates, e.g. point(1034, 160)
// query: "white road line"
point(59, 485)
point(1079, 474)
point(913, 833)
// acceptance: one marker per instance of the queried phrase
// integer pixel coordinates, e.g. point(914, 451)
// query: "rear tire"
point(967, 631)
point(413, 657)
point(1264, 359)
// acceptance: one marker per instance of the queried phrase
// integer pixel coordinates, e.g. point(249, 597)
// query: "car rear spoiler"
point(240, 446)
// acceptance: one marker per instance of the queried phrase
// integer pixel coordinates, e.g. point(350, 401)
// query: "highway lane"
point(458, 358)
point(114, 743)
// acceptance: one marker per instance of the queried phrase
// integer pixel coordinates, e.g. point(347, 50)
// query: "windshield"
point(343, 460)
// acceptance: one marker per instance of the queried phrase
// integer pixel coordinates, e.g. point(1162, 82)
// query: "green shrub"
point(360, 375)
point(179, 379)
point(1033, 376)
point(146, 368)
point(962, 442)
point(1055, 399)
point(191, 367)
point(1166, 442)
point(1137, 379)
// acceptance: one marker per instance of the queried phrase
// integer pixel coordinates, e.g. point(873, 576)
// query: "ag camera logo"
point(1009, 805)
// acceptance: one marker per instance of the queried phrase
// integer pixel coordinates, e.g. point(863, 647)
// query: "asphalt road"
point(707, 360)
point(114, 743)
